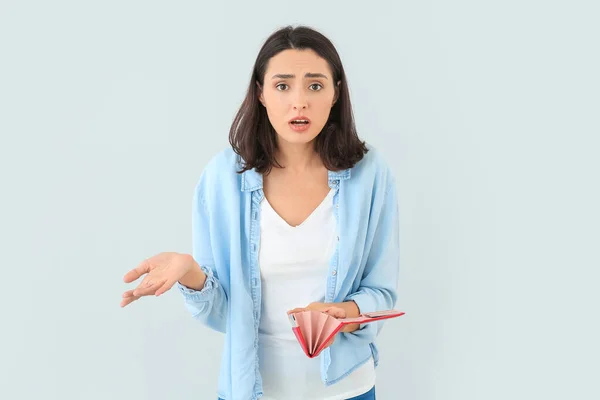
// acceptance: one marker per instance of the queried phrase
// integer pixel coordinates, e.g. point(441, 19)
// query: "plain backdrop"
point(488, 113)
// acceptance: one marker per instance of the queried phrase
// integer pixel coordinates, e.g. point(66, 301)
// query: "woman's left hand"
point(327, 308)
point(336, 310)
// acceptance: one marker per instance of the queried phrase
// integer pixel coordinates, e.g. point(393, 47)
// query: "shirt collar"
point(252, 180)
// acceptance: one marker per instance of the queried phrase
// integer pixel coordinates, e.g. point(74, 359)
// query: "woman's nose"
point(299, 106)
point(300, 101)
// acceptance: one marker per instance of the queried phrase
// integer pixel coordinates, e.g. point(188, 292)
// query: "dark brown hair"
point(253, 137)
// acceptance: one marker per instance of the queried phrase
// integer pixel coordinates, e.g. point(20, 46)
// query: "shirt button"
point(334, 273)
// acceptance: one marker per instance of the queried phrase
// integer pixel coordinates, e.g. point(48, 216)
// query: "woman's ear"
point(260, 94)
point(337, 93)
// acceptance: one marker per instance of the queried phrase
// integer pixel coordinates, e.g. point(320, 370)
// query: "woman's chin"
point(297, 138)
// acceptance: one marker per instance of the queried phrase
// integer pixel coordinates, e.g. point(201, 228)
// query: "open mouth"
point(299, 125)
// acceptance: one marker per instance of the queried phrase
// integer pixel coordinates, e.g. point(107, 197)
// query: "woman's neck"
point(298, 158)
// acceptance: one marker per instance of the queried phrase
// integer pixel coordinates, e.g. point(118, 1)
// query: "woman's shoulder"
point(372, 167)
point(223, 160)
point(222, 168)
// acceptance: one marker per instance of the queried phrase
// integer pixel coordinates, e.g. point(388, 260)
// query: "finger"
point(144, 284)
point(134, 274)
point(295, 310)
point(336, 312)
point(128, 293)
point(128, 300)
point(166, 286)
point(148, 286)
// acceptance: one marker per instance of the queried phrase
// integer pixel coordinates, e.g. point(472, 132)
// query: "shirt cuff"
point(365, 304)
point(203, 294)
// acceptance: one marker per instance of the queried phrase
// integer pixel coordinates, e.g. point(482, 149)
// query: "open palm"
point(161, 272)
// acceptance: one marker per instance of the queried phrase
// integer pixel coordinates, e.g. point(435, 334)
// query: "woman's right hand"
point(162, 271)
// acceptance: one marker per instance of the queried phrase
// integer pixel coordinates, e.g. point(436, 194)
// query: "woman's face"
point(298, 83)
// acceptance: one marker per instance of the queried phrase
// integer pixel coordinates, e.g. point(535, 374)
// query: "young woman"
point(298, 214)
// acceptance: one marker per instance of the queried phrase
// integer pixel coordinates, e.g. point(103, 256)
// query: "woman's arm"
point(205, 297)
point(377, 290)
point(378, 287)
point(203, 294)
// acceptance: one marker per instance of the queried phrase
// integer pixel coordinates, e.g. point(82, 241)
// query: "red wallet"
point(314, 329)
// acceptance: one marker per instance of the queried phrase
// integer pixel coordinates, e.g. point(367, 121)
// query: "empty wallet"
point(314, 329)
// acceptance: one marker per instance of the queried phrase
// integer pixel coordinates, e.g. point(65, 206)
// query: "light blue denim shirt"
point(226, 233)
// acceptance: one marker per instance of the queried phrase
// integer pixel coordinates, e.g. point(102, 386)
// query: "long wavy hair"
point(253, 137)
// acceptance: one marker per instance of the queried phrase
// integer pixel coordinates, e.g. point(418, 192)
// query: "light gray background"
point(487, 112)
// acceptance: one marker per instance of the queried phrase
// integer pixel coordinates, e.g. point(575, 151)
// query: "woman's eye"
point(314, 87)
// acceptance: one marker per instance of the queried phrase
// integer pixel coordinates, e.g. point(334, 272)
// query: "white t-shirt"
point(294, 262)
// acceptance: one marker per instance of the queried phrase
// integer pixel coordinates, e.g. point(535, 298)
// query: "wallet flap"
point(376, 314)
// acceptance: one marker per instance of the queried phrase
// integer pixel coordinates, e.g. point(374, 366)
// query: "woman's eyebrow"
point(307, 75)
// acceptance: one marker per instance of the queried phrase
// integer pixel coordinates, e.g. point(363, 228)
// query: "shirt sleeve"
point(378, 287)
point(208, 305)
